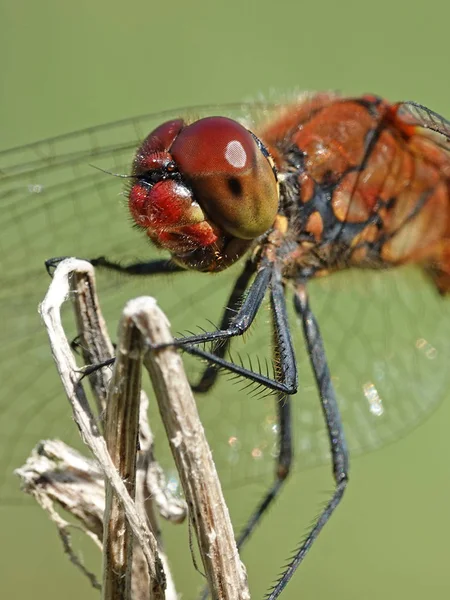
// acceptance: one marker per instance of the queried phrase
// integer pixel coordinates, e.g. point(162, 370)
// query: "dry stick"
point(126, 409)
point(152, 492)
point(75, 483)
point(50, 312)
point(121, 435)
point(125, 575)
point(63, 476)
point(54, 472)
point(226, 574)
point(94, 340)
point(96, 348)
point(153, 487)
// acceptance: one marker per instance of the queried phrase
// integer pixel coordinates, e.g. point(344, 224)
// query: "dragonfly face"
point(203, 191)
point(339, 195)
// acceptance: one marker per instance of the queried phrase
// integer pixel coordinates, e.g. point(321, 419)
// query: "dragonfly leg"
point(209, 375)
point(333, 422)
point(285, 379)
point(286, 370)
point(245, 316)
point(283, 466)
point(153, 267)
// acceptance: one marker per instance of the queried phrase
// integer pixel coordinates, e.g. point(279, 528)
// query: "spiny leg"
point(245, 315)
point(285, 379)
point(282, 470)
point(283, 467)
point(286, 370)
point(209, 375)
point(333, 423)
point(152, 267)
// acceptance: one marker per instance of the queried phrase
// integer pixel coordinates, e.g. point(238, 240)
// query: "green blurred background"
point(69, 66)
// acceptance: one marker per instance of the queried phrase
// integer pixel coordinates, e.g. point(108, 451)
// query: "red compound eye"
point(231, 178)
point(156, 146)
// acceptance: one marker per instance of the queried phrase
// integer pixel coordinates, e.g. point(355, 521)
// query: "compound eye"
point(230, 176)
point(157, 142)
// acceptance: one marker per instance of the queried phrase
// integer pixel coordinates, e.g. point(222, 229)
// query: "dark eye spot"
point(235, 186)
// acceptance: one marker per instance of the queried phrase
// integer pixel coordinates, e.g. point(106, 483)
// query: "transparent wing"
point(418, 115)
point(386, 334)
point(54, 201)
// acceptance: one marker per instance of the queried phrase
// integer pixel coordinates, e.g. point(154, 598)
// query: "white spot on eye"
point(235, 154)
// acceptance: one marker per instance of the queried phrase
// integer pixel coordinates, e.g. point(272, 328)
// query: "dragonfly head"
point(203, 191)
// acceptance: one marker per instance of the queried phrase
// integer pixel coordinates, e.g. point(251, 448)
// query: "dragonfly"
point(339, 204)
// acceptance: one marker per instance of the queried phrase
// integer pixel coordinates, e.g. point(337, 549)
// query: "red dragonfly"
point(278, 197)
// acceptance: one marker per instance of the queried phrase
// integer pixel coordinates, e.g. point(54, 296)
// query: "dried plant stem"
point(225, 572)
point(121, 435)
point(50, 311)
